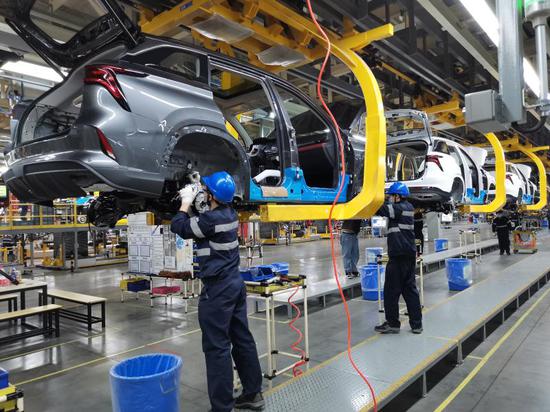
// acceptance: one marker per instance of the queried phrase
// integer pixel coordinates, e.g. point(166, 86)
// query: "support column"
point(433, 223)
point(75, 250)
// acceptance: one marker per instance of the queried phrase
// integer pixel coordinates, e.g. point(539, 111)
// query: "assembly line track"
point(394, 362)
point(323, 288)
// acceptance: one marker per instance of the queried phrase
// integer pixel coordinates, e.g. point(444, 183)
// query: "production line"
point(280, 205)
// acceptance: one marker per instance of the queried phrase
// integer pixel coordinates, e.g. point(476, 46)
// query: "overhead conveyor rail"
point(393, 362)
point(371, 196)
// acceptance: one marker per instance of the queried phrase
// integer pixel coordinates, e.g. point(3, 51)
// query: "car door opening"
point(252, 120)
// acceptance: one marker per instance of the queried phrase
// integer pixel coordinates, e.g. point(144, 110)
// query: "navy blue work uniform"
point(502, 226)
point(222, 305)
point(401, 267)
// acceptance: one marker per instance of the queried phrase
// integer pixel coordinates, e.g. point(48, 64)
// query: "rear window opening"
point(62, 20)
point(406, 161)
point(404, 125)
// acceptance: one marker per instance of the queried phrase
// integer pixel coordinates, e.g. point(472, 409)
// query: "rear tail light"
point(105, 145)
point(509, 177)
point(105, 76)
point(435, 159)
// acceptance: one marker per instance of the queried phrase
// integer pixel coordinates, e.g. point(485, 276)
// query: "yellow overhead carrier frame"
point(513, 144)
point(371, 197)
point(500, 181)
point(543, 201)
point(530, 153)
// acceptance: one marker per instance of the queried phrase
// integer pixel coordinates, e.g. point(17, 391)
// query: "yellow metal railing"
point(29, 216)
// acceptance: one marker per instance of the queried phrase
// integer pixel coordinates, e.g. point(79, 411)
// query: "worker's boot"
point(385, 328)
point(349, 275)
point(253, 401)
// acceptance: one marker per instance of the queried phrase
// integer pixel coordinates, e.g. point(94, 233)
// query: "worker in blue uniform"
point(222, 303)
point(401, 267)
point(502, 226)
point(349, 243)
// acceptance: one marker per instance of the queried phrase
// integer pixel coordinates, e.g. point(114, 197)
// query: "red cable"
point(340, 188)
point(296, 371)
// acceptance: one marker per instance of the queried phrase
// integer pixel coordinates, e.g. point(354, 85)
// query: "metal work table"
point(393, 362)
point(25, 286)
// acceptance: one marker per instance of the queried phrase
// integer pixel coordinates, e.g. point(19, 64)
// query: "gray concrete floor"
point(72, 372)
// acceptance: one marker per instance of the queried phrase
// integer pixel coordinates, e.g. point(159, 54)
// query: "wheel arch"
point(207, 149)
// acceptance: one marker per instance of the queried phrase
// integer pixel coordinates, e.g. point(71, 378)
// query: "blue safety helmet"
point(221, 185)
point(398, 188)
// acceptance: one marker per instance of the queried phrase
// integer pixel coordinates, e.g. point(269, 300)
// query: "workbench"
point(266, 292)
point(191, 288)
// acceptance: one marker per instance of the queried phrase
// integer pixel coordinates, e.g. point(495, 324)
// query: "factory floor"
point(72, 372)
point(508, 372)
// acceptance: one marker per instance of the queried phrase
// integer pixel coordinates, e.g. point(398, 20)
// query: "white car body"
point(437, 177)
point(516, 182)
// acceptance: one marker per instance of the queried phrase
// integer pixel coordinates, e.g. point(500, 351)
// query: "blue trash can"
point(371, 253)
point(146, 383)
point(369, 281)
point(459, 273)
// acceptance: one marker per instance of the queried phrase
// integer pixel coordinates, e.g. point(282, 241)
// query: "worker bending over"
point(502, 225)
point(222, 303)
point(349, 243)
point(401, 267)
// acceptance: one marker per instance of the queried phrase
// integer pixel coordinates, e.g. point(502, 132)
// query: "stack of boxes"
point(153, 248)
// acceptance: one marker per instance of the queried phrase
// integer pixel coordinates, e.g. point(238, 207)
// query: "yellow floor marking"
point(57, 345)
point(488, 356)
point(80, 365)
point(442, 338)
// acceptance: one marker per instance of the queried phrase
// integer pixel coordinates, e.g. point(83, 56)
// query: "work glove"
point(188, 193)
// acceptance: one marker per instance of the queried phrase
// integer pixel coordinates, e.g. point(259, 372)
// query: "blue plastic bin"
point(544, 223)
point(369, 281)
point(255, 274)
point(139, 286)
point(371, 253)
point(441, 244)
point(146, 383)
point(280, 268)
point(4, 378)
point(459, 273)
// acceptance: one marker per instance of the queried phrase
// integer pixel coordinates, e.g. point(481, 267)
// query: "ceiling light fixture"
point(487, 20)
point(33, 70)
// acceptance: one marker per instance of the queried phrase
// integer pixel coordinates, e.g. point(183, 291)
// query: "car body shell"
point(516, 183)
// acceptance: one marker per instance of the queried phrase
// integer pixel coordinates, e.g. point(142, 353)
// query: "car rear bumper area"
point(429, 195)
point(39, 179)
point(42, 183)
